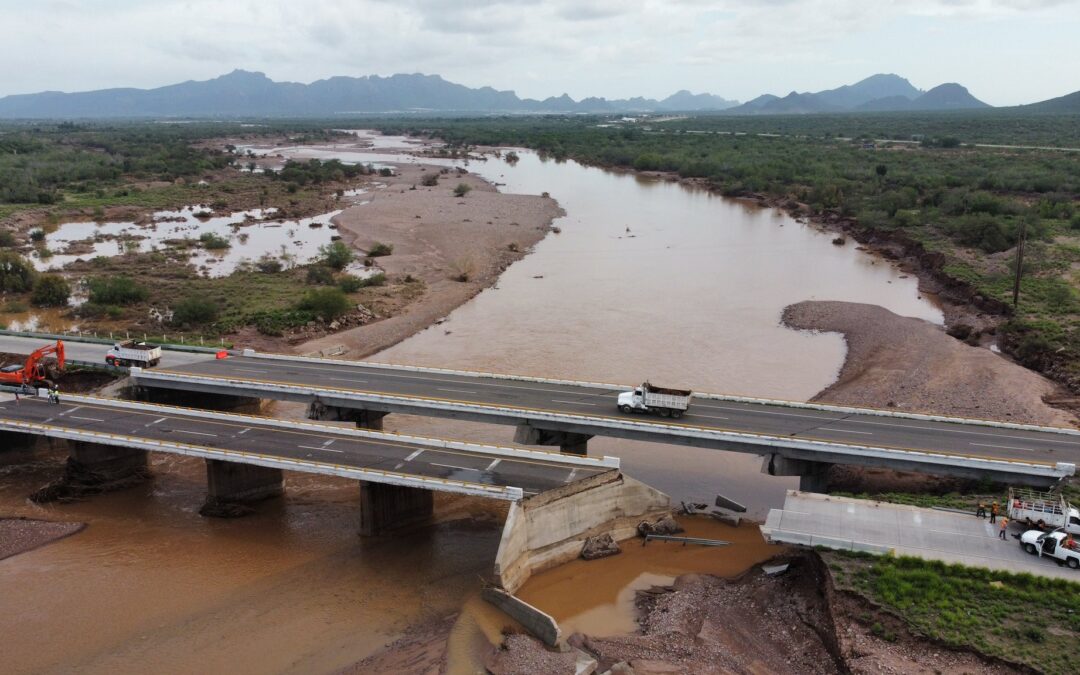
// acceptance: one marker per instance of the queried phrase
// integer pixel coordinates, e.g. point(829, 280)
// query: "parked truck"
point(133, 353)
point(661, 400)
point(1042, 510)
point(1058, 545)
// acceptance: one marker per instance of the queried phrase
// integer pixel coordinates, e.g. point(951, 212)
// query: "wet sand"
point(19, 535)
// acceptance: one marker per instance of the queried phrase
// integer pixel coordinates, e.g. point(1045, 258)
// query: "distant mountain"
point(876, 93)
point(242, 93)
point(1070, 103)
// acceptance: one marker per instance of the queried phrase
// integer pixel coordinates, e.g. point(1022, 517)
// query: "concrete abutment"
point(568, 442)
point(384, 507)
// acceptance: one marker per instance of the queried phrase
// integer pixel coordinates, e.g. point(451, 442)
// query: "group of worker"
point(54, 393)
point(1002, 524)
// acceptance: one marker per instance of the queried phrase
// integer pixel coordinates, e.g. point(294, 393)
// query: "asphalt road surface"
point(316, 443)
point(758, 418)
point(91, 352)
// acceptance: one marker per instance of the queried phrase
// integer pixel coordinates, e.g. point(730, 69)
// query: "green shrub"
point(351, 284)
point(37, 235)
point(430, 180)
point(336, 255)
point(116, 291)
point(17, 275)
point(7, 239)
point(325, 303)
point(195, 311)
point(462, 189)
point(269, 265)
point(379, 249)
point(320, 275)
point(211, 241)
point(386, 172)
point(51, 290)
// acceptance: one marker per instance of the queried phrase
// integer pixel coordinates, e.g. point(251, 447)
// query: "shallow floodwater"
point(691, 295)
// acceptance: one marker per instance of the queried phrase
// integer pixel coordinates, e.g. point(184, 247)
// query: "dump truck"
point(661, 400)
point(133, 353)
point(1042, 510)
point(1057, 544)
point(35, 370)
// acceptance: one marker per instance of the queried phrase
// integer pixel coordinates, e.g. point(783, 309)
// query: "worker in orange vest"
point(1001, 528)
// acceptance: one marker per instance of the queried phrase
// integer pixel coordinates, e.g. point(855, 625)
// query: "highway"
point(868, 428)
point(91, 352)
point(314, 445)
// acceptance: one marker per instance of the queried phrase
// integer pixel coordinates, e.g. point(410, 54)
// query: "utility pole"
point(1019, 261)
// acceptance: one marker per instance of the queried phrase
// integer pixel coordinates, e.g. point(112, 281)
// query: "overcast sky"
point(1005, 51)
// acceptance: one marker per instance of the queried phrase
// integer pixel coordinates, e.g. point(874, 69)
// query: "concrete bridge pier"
point(93, 468)
point(568, 441)
point(364, 419)
point(813, 476)
point(231, 487)
point(199, 400)
point(386, 507)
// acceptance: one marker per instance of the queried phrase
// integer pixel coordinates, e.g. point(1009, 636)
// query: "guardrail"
point(106, 341)
point(825, 451)
point(505, 493)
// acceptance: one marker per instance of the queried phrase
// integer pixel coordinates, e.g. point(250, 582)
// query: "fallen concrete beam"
point(568, 442)
point(541, 625)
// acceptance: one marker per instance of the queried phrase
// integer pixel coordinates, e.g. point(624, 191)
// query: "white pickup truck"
point(1042, 510)
point(649, 398)
point(1051, 545)
point(133, 353)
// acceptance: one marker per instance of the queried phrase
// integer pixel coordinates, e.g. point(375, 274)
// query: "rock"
point(600, 546)
point(334, 325)
point(665, 525)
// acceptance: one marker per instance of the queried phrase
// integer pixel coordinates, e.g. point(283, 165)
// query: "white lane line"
point(157, 421)
point(329, 443)
point(252, 370)
point(413, 456)
point(243, 431)
point(770, 412)
point(451, 466)
point(555, 400)
point(1003, 447)
point(843, 431)
point(399, 465)
point(197, 433)
point(321, 447)
point(570, 478)
point(88, 419)
point(711, 417)
point(342, 379)
point(67, 412)
point(459, 391)
point(491, 467)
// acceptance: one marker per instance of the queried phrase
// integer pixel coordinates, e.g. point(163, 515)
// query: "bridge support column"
point(813, 476)
point(231, 486)
point(194, 399)
point(364, 419)
point(387, 507)
point(569, 442)
point(93, 468)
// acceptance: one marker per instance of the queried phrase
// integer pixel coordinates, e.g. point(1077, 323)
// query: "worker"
point(981, 511)
point(993, 512)
point(54, 395)
point(1001, 528)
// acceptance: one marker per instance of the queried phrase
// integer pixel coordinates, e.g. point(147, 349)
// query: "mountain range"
point(249, 94)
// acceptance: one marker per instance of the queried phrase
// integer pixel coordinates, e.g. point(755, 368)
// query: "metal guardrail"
point(685, 540)
point(761, 443)
point(505, 493)
point(105, 341)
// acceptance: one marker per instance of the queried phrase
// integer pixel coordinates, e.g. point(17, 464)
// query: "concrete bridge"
point(245, 455)
point(795, 438)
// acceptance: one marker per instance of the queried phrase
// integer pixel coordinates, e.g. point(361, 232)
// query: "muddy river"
point(647, 279)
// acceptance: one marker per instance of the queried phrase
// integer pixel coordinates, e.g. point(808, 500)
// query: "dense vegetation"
point(1020, 617)
point(966, 203)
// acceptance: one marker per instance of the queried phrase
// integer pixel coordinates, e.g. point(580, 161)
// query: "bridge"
point(796, 438)
point(245, 454)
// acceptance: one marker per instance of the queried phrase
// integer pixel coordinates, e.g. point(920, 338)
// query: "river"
point(647, 279)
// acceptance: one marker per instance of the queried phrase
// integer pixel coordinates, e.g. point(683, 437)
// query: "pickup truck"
point(650, 398)
point(1042, 510)
point(133, 353)
point(1051, 545)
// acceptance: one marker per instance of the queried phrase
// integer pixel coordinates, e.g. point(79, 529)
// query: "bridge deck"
point(299, 446)
point(848, 426)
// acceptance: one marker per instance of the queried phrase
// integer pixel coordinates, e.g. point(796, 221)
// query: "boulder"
point(600, 546)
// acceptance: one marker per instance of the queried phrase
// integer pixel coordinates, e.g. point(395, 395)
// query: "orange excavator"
point(36, 370)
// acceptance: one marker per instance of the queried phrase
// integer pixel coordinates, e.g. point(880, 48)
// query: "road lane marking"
point(197, 433)
point(555, 400)
point(244, 431)
point(321, 447)
point(341, 379)
point(844, 431)
point(66, 412)
point(329, 443)
point(491, 467)
point(451, 466)
point(157, 421)
point(88, 419)
point(460, 391)
point(711, 417)
point(570, 478)
point(399, 465)
point(251, 370)
point(413, 456)
point(1004, 447)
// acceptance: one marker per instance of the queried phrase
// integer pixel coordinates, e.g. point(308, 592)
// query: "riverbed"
point(647, 279)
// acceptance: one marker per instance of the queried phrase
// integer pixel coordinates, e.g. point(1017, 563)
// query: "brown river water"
point(647, 279)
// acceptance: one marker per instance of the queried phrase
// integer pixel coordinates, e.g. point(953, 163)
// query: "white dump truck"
point(661, 400)
point(1057, 545)
point(133, 353)
point(1042, 510)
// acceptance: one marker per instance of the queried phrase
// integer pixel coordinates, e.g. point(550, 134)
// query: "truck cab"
point(1055, 545)
point(635, 400)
